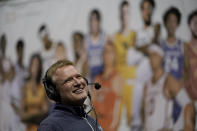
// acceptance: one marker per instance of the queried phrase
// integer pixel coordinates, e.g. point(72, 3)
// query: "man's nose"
point(76, 80)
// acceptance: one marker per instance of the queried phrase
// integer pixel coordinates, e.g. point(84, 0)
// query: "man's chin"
point(81, 98)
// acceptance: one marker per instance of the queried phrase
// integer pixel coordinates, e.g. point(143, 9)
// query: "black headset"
point(51, 89)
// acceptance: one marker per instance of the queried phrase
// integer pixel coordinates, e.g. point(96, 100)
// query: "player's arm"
point(189, 117)
point(155, 40)
point(117, 88)
point(143, 49)
point(171, 87)
point(157, 30)
point(175, 90)
point(186, 64)
point(23, 113)
point(117, 85)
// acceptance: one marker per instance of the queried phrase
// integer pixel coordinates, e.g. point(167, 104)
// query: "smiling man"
point(66, 86)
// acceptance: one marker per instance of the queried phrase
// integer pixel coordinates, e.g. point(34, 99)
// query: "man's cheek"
point(87, 90)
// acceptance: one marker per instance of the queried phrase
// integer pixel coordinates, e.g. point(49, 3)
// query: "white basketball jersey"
point(158, 108)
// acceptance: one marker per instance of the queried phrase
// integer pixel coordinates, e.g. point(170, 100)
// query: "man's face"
point(125, 14)
point(71, 85)
point(94, 24)
point(155, 60)
point(171, 24)
point(20, 53)
point(147, 12)
point(193, 27)
point(34, 67)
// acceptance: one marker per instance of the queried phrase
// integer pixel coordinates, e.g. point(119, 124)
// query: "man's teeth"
point(78, 90)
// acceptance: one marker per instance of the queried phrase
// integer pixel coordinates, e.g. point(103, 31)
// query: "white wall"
point(22, 18)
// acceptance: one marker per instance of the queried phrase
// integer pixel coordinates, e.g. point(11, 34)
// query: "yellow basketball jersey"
point(35, 100)
point(122, 44)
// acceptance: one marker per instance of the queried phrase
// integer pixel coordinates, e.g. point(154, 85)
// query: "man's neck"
point(95, 36)
point(20, 63)
point(79, 103)
point(124, 29)
point(171, 39)
point(72, 106)
point(146, 26)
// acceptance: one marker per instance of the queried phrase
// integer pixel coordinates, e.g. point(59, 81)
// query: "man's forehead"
point(146, 4)
point(65, 72)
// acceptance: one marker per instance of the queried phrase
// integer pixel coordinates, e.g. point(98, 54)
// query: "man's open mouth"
point(78, 91)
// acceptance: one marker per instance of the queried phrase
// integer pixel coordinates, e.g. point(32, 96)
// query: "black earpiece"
point(51, 89)
point(97, 86)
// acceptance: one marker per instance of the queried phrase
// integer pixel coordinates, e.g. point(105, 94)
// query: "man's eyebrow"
point(79, 75)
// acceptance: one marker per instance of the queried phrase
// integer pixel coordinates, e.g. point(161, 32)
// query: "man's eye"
point(68, 80)
point(79, 77)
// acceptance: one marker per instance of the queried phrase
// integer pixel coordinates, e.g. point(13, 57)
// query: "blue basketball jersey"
point(95, 55)
point(173, 58)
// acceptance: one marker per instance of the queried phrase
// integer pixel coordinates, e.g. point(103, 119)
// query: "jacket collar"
point(75, 110)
